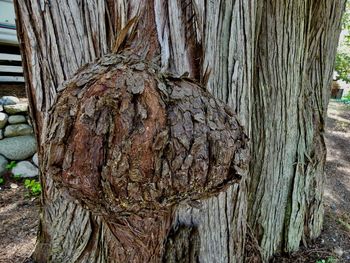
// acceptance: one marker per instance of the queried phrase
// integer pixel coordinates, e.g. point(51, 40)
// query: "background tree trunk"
point(294, 68)
point(271, 61)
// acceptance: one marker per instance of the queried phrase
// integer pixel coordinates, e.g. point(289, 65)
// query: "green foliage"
point(346, 17)
point(347, 96)
point(33, 186)
point(342, 66)
point(1, 180)
point(11, 165)
point(342, 60)
point(327, 260)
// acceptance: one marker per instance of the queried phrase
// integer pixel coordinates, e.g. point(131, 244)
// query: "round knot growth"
point(125, 138)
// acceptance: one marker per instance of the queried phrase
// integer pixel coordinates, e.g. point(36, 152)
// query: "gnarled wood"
point(124, 139)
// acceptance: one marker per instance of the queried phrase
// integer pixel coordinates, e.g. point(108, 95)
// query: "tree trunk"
point(295, 56)
point(271, 61)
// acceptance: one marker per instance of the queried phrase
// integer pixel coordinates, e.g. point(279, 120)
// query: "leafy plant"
point(347, 96)
point(1, 180)
point(342, 59)
point(33, 186)
point(327, 260)
point(11, 165)
point(342, 66)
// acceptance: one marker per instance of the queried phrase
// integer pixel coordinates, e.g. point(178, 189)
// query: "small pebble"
point(13, 186)
point(339, 251)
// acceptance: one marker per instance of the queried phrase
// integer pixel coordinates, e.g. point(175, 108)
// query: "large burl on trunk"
point(129, 152)
point(130, 143)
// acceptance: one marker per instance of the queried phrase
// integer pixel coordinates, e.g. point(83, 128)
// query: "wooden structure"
point(11, 72)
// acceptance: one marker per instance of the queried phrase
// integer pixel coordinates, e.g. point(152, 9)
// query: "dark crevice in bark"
point(182, 245)
point(192, 42)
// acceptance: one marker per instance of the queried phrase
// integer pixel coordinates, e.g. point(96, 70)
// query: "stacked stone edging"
point(17, 142)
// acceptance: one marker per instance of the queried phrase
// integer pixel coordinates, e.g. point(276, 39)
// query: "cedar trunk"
point(270, 61)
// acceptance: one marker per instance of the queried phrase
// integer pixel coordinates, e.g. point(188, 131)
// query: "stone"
point(25, 169)
point(15, 119)
point(3, 119)
point(3, 163)
point(17, 108)
point(17, 130)
point(35, 159)
point(1, 108)
point(18, 148)
point(339, 251)
point(13, 186)
point(9, 100)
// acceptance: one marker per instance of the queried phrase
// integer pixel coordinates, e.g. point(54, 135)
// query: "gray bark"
point(295, 55)
point(271, 61)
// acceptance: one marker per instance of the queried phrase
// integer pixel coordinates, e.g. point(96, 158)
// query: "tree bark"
point(271, 61)
point(295, 56)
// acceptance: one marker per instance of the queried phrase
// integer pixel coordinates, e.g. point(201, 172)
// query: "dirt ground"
point(19, 214)
point(19, 222)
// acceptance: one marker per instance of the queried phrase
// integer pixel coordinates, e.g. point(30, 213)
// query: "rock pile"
point(17, 142)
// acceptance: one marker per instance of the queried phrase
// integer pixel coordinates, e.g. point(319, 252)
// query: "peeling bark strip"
point(124, 139)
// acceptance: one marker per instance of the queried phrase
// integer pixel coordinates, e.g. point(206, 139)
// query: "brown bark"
point(124, 139)
point(271, 61)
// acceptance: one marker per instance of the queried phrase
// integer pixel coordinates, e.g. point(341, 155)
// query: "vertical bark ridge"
point(277, 152)
point(312, 151)
point(221, 226)
point(179, 37)
point(227, 34)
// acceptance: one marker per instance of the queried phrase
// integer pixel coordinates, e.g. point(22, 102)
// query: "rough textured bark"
point(295, 54)
point(271, 61)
